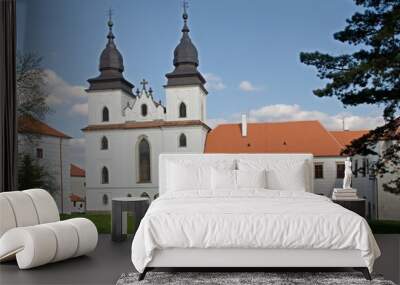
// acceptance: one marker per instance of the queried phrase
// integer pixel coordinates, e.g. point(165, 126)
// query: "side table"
point(356, 205)
point(137, 205)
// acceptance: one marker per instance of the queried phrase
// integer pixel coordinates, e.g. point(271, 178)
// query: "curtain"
point(8, 126)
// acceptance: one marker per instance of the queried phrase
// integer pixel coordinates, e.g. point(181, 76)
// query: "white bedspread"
point(250, 219)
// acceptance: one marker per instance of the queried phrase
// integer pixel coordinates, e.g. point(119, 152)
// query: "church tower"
point(185, 91)
point(110, 91)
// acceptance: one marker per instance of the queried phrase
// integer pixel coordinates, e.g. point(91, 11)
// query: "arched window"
point(145, 195)
point(105, 199)
point(182, 140)
point(156, 196)
point(105, 115)
point(182, 110)
point(144, 110)
point(104, 175)
point(104, 143)
point(129, 195)
point(144, 161)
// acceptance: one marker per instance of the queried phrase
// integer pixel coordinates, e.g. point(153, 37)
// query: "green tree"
point(33, 175)
point(370, 75)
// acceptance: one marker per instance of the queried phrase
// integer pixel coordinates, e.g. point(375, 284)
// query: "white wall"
point(154, 112)
point(78, 186)
point(58, 167)
point(121, 159)
point(114, 100)
point(194, 98)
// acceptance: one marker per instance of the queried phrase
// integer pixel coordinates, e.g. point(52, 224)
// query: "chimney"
point(244, 125)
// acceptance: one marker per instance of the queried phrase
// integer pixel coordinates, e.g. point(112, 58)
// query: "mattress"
point(250, 219)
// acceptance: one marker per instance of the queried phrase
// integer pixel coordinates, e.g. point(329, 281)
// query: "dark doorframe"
point(8, 102)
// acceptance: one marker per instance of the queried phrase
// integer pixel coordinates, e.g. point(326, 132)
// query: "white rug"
point(243, 278)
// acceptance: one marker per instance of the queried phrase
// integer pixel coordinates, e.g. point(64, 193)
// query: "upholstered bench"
point(31, 231)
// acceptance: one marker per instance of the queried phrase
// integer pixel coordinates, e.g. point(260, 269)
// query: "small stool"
point(137, 205)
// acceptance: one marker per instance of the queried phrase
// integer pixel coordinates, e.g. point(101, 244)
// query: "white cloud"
point(283, 112)
point(61, 92)
point(77, 152)
point(247, 86)
point(80, 109)
point(214, 82)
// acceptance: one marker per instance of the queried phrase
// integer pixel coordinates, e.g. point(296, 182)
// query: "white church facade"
point(128, 130)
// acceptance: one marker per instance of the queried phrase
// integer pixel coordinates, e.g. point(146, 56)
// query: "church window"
point(319, 171)
point(104, 143)
point(105, 115)
point(340, 170)
point(182, 140)
point(156, 196)
point(105, 199)
point(104, 175)
point(145, 195)
point(144, 161)
point(182, 110)
point(144, 110)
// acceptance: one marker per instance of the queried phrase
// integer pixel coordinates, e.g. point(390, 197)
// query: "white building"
point(51, 149)
point(78, 189)
point(126, 132)
point(300, 137)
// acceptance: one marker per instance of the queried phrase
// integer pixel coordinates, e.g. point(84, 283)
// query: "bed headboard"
point(165, 158)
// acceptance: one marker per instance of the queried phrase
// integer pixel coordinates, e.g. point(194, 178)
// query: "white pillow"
point(251, 178)
point(282, 174)
point(183, 178)
point(223, 179)
point(187, 174)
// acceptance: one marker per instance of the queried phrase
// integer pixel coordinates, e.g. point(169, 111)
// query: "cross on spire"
point(144, 83)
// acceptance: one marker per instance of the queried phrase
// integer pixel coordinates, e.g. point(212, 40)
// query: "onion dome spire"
point(111, 66)
point(186, 59)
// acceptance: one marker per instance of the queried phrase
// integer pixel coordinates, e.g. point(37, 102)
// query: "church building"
point(127, 130)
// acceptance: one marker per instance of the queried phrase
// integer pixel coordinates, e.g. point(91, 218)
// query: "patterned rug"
point(243, 278)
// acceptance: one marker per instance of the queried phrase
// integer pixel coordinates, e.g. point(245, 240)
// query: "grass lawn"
point(385, 226)
point(102, 221)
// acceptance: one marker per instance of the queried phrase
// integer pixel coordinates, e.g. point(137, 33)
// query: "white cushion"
point(193, 175)
point(251, 178)
point(23, 208)
point(87, 235)
point(7, 218)
point(223, 179)
point(45, 205)
point(286, 174)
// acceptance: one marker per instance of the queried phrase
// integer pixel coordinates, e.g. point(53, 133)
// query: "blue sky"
point(249, 51)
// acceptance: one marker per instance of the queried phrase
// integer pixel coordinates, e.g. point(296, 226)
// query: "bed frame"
point(233, 259)
point(246, 259)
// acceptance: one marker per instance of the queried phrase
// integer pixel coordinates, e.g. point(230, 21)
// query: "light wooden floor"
point(110, 260)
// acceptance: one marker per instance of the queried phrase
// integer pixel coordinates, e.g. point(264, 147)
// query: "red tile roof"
point(76, 198)
point(145, 125)
point(76, 171)
point(274, 137)
point(27, 124)
point(346, 137)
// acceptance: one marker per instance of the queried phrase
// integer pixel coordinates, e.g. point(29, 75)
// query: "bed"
point(247, 211)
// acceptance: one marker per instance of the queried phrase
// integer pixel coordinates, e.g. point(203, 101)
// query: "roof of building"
point(28, 124)
point(145, 125)
point(274, 137)
point(346, 137)
point(76, 171)
point(76, 198)
point(111, 67)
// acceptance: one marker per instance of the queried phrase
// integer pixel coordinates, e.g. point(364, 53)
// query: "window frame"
point(180, 145)
point(318, 164)
point(105, 117)
point(144, 107)
point(105, 176)
point(39, 153)
point(340, 164)
point(180, 110)
point(102, 145)
point(139, 178)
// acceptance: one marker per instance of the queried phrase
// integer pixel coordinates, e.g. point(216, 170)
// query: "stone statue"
point(347, 174)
